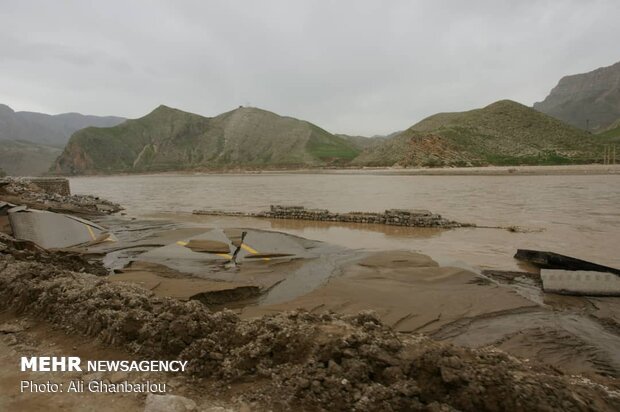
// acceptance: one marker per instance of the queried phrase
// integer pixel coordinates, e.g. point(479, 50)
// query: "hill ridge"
point(501, 133)
point(172, 139)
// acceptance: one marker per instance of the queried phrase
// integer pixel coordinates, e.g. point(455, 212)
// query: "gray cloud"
point(358, 67)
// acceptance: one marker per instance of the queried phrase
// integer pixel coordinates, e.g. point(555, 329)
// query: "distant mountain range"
point(170, 139)
point(167, 139)
point(589, 101)
point(503, 133)
point(46, 129)
point(30, 142)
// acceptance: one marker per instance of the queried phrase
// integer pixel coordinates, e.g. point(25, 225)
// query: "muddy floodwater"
point(574, 215)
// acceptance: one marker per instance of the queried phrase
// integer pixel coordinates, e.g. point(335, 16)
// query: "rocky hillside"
point(589, 100)
point(46, 129)
point(170, 139)
point(503, 133)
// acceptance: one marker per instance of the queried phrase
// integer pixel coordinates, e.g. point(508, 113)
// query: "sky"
point(357, 67)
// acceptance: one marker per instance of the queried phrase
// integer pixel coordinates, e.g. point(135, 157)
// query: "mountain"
point(170, 139)
point(589, 100)
point(503, 133)
point(22, 158)
point(30, 142)
point(50, 130)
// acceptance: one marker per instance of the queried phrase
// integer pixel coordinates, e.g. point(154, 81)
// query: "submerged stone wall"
point(394, 217)
point(52, 185)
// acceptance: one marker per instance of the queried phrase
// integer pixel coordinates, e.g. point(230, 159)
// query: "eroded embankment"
point(310, 361)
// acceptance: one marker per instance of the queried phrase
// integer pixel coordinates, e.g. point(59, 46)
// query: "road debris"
point(23, 191)
point(52, 230)
point(580, 282)
point(551, 260)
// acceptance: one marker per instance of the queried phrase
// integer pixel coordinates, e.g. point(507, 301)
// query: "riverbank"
point(588, 169)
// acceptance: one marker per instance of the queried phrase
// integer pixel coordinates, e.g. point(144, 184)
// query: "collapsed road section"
point(571, 276)
point(230, 266)
point(50, 230)
point(52, 195)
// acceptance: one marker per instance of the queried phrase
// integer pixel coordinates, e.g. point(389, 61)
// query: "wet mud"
point(313, 361)
point(409, 292)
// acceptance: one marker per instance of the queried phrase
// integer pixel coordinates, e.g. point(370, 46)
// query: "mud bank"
point(408, 292)
point(413, 294)
point(302, 360)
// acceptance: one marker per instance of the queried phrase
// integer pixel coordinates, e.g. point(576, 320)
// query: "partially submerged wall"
point(52, 185)
point(392, 217)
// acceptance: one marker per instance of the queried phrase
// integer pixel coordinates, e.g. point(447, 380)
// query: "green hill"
point(503, 133)
point(170, 139)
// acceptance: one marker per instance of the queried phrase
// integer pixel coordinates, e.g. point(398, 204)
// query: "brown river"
point(574, 215)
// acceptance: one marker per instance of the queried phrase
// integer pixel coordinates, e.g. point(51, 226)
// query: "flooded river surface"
point(573, 215)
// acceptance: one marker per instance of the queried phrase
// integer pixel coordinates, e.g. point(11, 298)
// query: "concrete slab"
point(54, 230)
point(580, 282)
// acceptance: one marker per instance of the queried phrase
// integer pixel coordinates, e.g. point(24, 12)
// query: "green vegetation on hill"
point(170, 139)
point(327, 147)
point(612, 133)
point(503, 133)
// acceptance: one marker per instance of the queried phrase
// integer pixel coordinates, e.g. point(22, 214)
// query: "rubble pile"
point(302, 360)
point(392, 217)
point(22, 191)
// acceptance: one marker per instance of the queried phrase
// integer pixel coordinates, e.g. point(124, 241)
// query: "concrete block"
point(580, 282)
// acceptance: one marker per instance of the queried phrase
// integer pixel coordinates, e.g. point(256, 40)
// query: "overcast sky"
point(356, 67)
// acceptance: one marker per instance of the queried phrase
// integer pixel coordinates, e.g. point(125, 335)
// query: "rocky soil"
point(21, 191)
point(294, 359)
